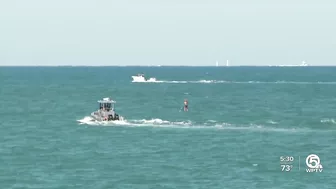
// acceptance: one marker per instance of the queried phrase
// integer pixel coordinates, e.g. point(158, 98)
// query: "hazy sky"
point(171, 32)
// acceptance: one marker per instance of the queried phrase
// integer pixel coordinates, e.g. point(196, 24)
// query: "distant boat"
point(303, 64)
point(227, 63)
point(141, 78)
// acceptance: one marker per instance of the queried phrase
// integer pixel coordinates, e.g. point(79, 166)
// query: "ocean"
point(247, 127)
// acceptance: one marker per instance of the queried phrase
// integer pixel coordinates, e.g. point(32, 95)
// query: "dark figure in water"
point(185, 107)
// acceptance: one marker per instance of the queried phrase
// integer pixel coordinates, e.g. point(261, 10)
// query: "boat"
point(141, 78)
point(106, 111)
point(303, 64)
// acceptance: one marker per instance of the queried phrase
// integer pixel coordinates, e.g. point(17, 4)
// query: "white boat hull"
point(142, 79)
point(138, 79)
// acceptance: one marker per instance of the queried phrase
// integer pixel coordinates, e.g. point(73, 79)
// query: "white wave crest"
point(328, 121)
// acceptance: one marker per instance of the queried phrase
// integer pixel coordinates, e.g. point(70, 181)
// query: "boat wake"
point(328, 121)
point(89, 121)
point(210, 124)
point(143, 122)
point(239, 82)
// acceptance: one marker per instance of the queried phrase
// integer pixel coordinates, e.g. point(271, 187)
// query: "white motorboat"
point(141, 78)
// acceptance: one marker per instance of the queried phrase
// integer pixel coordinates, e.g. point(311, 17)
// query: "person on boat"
point(113, 112)
point(185, 108)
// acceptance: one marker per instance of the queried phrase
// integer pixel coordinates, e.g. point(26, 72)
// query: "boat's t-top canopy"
point(106, 104)
point(141, 75)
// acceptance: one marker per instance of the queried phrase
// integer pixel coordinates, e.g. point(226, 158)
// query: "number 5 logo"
point(313, 161)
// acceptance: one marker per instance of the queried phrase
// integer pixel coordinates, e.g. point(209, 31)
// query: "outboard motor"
point(110, 117)
point(116, 117)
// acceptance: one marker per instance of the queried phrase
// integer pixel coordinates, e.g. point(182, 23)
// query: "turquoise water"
point(240, 121)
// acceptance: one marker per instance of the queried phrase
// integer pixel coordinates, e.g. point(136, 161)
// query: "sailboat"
point(227, 63)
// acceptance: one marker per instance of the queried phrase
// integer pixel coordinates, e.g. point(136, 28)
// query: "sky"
point(171, 32)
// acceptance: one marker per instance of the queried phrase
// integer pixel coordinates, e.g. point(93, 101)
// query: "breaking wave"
point(210, 124)
point(244, 82)
point(330, 121)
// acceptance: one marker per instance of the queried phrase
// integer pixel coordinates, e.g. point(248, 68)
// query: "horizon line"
point(165, 66)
